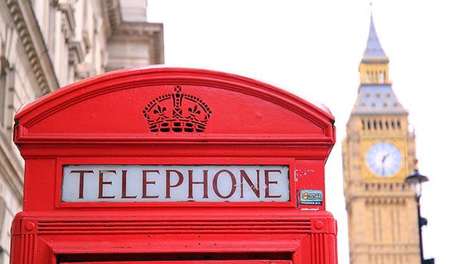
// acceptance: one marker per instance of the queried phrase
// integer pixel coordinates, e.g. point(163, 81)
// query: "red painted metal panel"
point(161, 116)
point(191, 262)
point(241, 110)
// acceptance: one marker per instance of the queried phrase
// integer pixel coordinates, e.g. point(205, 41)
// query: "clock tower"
point(378, 153)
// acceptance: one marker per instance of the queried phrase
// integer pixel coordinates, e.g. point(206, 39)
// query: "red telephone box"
point(169, 165)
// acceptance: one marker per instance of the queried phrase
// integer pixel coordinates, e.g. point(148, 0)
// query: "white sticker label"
point(162, 183)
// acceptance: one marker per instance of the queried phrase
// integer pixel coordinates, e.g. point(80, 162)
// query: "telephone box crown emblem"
point(177, 112)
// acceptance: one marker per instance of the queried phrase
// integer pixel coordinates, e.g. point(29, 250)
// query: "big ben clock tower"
point(378, 154)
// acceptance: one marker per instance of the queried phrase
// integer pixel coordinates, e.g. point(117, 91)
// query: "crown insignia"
point(177, 112)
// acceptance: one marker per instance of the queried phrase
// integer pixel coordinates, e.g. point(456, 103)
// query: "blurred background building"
point(378, 154)
point(46, 44)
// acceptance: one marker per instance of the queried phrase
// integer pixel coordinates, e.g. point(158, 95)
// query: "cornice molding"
point(34, 45)
point(151, 32)
point(117, 27)
point(139, 28)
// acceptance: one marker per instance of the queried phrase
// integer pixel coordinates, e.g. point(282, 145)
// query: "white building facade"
point(46, 44)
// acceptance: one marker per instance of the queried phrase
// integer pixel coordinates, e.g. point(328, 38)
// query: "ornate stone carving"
point(34, 45)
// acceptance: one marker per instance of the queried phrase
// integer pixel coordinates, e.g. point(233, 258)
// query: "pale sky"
point(313, 48)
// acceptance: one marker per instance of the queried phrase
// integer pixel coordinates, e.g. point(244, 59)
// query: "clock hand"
point(383, 163)
point(385, 157)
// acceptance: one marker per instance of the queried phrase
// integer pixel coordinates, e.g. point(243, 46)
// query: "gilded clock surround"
point(382, 216)
point(384, 159)
point(368, 175)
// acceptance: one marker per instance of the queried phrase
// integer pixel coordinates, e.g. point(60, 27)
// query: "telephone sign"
point(151, 183)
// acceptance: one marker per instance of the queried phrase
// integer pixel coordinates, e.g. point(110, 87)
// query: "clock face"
point(384, 159)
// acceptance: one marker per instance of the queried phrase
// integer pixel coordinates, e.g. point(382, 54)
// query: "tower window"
point(392, 123)
point(386, 124)
point(381, 77)
point(375, 124)
point(398, 124)
point(380, 125)
point(368, 124)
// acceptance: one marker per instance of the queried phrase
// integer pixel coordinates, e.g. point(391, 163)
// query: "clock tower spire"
point(373, 68)
point(378, 153)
